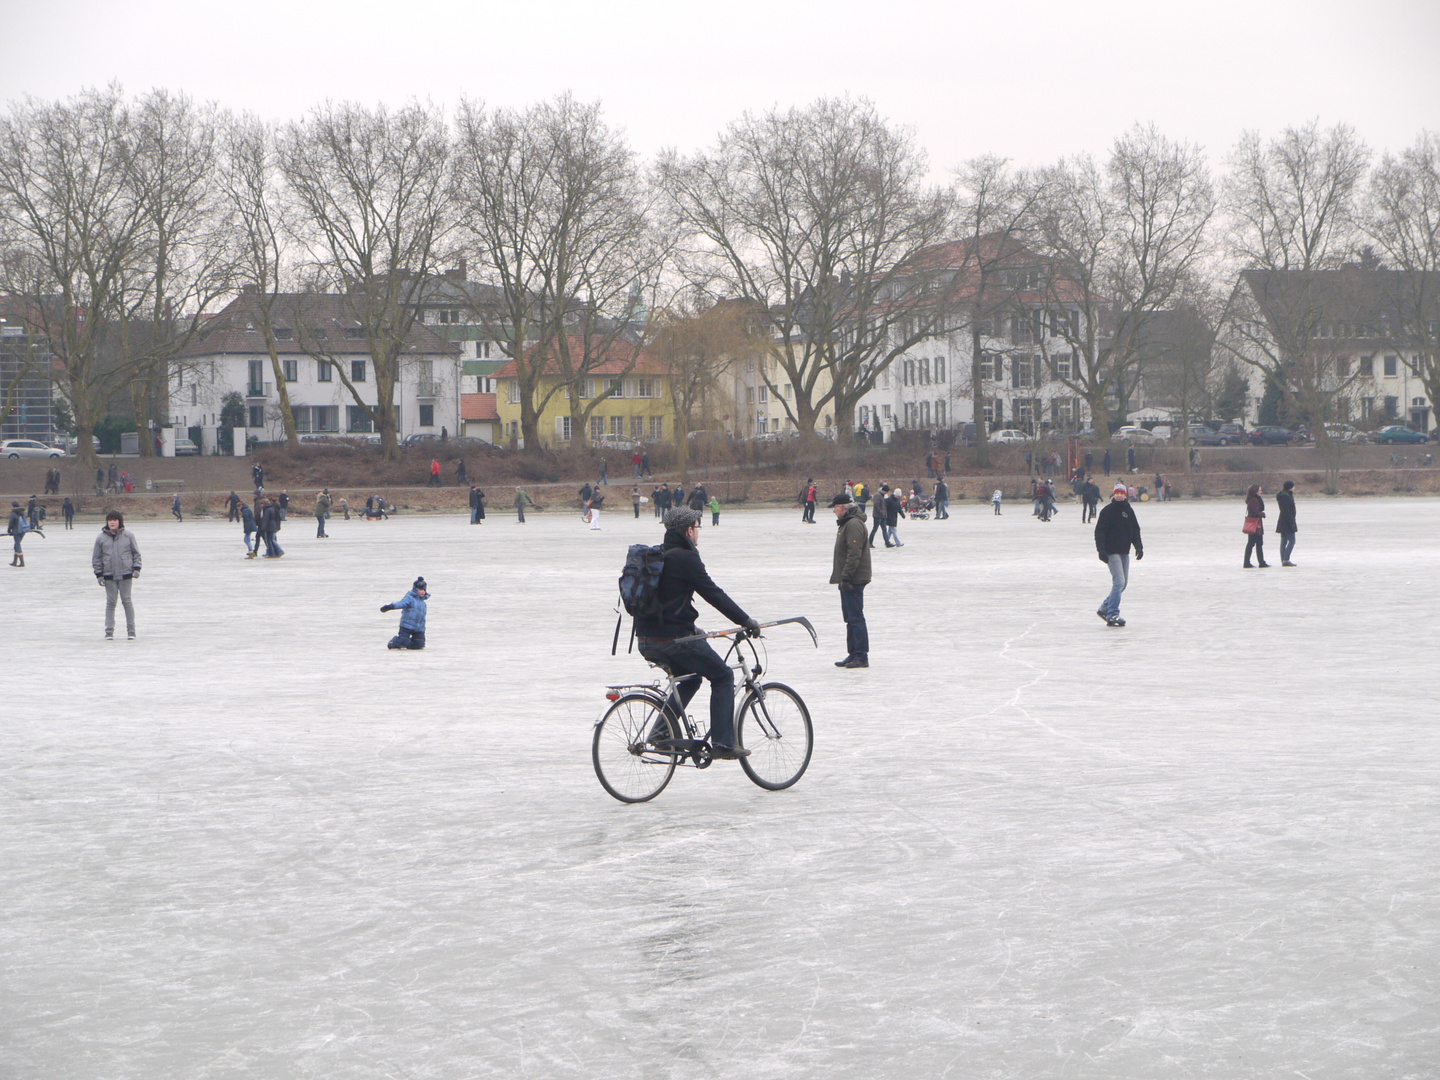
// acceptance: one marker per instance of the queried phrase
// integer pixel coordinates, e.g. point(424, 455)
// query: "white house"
point(316, 338)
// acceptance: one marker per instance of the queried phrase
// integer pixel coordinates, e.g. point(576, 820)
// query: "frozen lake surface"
point(254, 843)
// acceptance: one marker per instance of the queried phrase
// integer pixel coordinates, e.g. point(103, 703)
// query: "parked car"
point(1233, 434)
point(1397, 433)
point(1270, 435)
point(420, 437)
point(1009, 435)
point(1344, 433)
point(18, 448)
point(1131, 433)
point(186, 448)
point(623, 442)
point(1200, 435)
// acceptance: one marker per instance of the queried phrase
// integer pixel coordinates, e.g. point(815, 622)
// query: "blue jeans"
point(1119, 578)
point(857, 634)
point(1287, 545)
point(942, 509)
point(698, 658)
point(890, 536)
point(248, 545)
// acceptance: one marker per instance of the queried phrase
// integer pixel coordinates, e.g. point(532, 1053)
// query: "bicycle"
point(639, 742)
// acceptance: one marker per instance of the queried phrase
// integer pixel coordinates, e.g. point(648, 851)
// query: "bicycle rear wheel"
point(627, 766)
point(775, 727)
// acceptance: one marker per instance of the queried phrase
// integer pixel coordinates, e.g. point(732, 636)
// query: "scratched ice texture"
point(254, 843)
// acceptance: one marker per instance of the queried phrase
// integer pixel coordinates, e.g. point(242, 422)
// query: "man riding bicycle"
point(683, 576)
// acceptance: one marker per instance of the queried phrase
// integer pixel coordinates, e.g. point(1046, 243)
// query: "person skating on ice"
point(851, 572)
point(116, 562)
point(1116, 531)
point(16, 527)
point(1286, 525)
point(411, 634)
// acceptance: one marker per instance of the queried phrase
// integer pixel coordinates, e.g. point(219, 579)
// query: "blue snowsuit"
point(412, 621)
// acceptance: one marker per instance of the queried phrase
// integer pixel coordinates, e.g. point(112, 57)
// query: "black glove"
point(387, 607)
point(1139, 554)
point(752, 627)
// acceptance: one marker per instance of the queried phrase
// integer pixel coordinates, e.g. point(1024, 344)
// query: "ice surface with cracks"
point(255, 843)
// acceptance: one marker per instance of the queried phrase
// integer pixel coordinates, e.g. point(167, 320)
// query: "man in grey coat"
point(116, 562)
point(851, 572)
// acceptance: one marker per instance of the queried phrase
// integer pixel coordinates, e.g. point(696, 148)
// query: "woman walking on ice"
point(1255, 527)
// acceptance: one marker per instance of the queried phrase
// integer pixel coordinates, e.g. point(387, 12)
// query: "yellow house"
point(639, 407)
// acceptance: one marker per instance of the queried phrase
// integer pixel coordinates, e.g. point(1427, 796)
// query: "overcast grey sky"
point(1030, 80)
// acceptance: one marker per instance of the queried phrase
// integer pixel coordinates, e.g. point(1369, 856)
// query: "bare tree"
point(1121, 244)
point(696, 344)
point(250, 182)
point(1403, 218)
point(555, 212)
point(997, 211)
point(817, 217)
point(75, 228)
point(372, 192)
point(1293, 205)
point(185, 256)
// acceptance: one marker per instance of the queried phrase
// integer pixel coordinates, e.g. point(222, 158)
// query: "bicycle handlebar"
point(727, 632)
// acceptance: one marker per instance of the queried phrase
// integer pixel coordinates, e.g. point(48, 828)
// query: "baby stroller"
point(919, 507)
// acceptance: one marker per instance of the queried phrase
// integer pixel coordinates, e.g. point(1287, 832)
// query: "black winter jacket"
point(683, 576)
point(1116, 530)
point(1286, 502)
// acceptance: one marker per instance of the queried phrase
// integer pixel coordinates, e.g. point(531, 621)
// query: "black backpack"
point(640, 586)
point(640, 580)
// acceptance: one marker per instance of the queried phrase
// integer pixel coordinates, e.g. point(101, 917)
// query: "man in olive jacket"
point(852, 573)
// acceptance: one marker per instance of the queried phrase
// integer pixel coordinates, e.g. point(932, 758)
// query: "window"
point(357, 370)
point(427, 415)
point(563, 430)
point(749, 395)
point(939, 369)
point(1418, 402)
point(322, 371)
point(616, 387)
point(194, 394)
point(292, 370)
point(925, 372)
point(1023, 372)
point(1367, 407)
point(760, 419)
point(764, 393)
point(617, 425)
point(1064, 363)
point(1392, 407)
point(646, 387)
point(657, 428)
point(909, 372)
point(1022, 330)
point(353, 333)
point(326, 417)
point(939, 414)
point(1342, 367)
point(257, 379)
point(512, 391)
point(1367, 367)
point(319, 335)
point(994, 410)
point(637, 427)
point(597, 427)
point(885, 412)
point(356, 420)
point(1390, 367)
point(924, 414)
point(301, 413)
point(284, 333)
point(257, 416)
point(482, 350)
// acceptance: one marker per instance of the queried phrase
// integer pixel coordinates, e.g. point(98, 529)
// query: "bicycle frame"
point(750, 671)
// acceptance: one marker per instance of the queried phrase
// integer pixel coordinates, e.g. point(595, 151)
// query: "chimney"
point(457, 274)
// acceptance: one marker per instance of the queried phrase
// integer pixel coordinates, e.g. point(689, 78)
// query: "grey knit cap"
point(681, 518)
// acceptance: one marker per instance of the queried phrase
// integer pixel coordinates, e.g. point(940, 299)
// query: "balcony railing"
point(427, 388)
point(257, 390)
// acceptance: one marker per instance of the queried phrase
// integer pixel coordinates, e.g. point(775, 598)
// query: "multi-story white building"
point(1024, 330)
point(315, 334)
point(1353, 338)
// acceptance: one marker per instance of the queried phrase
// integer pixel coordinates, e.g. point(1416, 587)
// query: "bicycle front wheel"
point(628, 765)
point(775, 727)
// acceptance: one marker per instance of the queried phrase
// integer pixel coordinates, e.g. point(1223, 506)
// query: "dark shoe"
point(1115, 620)
point(857, 662)
point(109, 635)
point(1102, 614)
point(1264, 566)
point(728, 753)
point(1249, 567)
point(843, 663)
point(130, 634)
point(1289, 564)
